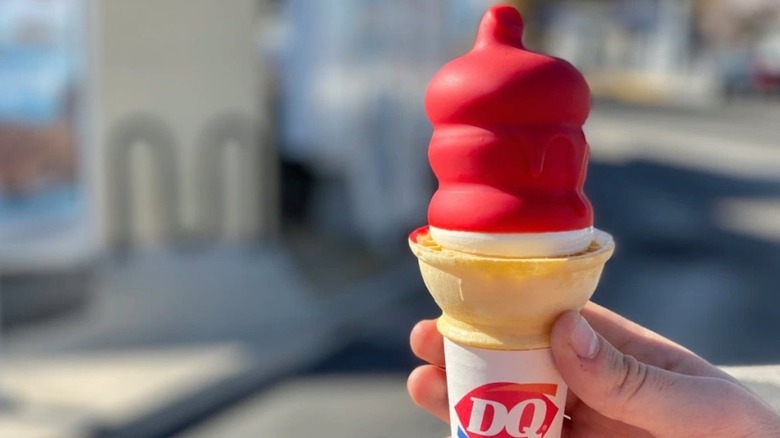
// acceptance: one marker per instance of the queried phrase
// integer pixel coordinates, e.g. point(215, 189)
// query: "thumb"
point(622, 388)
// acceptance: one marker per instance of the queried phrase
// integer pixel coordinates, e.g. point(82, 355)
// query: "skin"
point(625, 381)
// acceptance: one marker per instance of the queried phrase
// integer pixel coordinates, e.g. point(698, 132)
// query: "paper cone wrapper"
point(497, 314)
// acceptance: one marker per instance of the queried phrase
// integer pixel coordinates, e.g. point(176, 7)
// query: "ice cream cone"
point(510, 157)
point(497, 314)
point(506, 303)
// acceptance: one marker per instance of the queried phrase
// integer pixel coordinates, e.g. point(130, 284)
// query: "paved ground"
point(692, 198)
point(359, 406)
point(174, 336)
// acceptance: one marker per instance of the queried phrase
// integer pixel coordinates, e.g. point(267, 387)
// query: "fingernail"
point(584, 341)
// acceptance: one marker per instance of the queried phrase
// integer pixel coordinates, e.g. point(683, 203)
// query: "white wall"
point(185, 63)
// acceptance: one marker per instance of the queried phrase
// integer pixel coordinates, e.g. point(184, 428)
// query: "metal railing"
point(151, 133)
point(258, 165)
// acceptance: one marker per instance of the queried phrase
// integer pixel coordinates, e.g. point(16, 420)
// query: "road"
point(692, 198)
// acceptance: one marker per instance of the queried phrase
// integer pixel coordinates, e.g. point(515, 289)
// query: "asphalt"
point(698, 255)
point(692, 198)
point(697, 261)
point(174, 337)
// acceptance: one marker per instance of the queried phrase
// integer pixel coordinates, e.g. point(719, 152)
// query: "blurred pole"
point(672, 45)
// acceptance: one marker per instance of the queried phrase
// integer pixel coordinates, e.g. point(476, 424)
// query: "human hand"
point(625, 381)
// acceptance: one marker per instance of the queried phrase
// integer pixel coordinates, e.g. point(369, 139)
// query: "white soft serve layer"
point(524, 245)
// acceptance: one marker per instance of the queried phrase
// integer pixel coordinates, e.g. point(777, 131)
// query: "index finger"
point(427, 343)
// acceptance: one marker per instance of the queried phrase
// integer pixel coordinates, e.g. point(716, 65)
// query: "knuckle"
point(633, 378)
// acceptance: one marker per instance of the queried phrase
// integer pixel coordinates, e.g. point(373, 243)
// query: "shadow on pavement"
point(676, 271)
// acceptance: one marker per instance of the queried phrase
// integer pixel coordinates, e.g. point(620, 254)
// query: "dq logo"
point(507, 410)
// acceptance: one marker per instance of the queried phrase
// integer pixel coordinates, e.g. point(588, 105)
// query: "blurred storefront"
point(634, 50)
point(137, 124)
point(666, 51)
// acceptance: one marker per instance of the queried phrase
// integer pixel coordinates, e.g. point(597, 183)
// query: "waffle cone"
point(505, 303)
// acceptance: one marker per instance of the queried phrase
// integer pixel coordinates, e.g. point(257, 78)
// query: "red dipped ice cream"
point(510, 244)
point(508, 148)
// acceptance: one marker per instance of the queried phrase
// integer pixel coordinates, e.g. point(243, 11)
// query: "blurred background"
point(204, 205)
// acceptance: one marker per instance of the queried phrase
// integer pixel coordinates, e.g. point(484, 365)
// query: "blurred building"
point(127, 124)
point(135, 122)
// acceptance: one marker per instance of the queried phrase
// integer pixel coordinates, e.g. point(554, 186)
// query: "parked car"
point(754, 70)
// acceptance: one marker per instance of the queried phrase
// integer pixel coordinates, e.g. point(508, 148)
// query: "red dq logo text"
point(508, 410)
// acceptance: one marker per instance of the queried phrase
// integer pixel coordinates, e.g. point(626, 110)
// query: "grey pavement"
point(737, 140)
point(663, 182)
point(690, 196)
point(360, 406)
point(174, 336)
point(366, 406)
